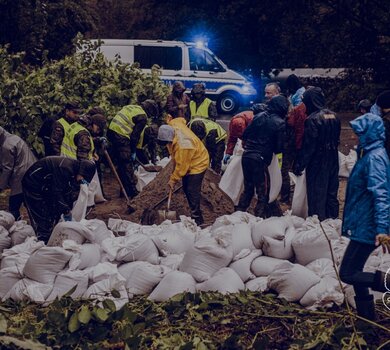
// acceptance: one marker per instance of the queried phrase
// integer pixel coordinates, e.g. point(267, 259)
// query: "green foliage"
point(187, 321)
point(29, 95)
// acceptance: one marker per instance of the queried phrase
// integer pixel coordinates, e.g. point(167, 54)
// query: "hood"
point(370, 130)
point(177, 122)
point(314, 100)
point(278, 105)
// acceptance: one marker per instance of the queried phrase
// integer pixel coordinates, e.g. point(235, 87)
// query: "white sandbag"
point(265, 265)
point(102, 271)
point(27, 289)
point(299, 205)
point(95, 194)
point(243, 266)
point(67, 280)
point(19, 231)
point(44, 264)
point(259, 284)
point(9, 277)
point(5, 239)
point(275, 227)
point(172, 261)
point(350, 160)
point(141, 276)
point(173, 283)
point(242, 238)
point(275, 175)
point(85, 255)
point(99, 230)
point(80, 206)
point(323, 294)
point(331, 227)
point(322, 268)
point(207, 256)
point(296, 221)
point(15, 260)
point(339, 246)
point(232, 180)
point(224, 281)
point(6, 219)
point(136, 247)
point(292, 281)
point(65, 230)
point(343, 170)
point(122, 227)
point(173, 239)
point(144, 177)
point(280, 249)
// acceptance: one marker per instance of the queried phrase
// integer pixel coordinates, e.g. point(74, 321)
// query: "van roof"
point(121, 42)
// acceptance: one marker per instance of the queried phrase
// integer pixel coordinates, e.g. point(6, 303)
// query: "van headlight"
point(248, 89)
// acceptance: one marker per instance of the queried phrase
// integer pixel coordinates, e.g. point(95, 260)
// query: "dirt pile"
point(214, 202)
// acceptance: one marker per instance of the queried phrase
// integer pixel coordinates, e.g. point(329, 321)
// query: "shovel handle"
point(169, 199)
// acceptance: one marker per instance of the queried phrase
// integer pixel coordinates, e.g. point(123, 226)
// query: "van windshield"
point(202, 60)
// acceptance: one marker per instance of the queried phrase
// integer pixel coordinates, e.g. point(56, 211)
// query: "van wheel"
point(228, 102)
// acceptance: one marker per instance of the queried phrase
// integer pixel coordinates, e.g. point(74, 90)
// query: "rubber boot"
point(365, 307)
point(381, 281)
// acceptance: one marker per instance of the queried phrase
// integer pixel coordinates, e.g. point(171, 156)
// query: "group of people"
point(295, 126)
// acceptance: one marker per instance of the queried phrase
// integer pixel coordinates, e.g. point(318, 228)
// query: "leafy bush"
point(29, 95)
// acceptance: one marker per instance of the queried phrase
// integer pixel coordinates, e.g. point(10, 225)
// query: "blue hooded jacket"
point(367, 203)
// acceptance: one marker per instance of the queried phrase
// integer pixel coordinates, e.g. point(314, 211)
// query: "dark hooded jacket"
point(367, 203)
point(266, 134)
point(54, 180)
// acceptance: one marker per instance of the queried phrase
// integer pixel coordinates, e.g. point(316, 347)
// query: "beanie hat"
point(383, 99)
point(199, 129)
point(99, 120)
point(198, 88)
point(96, 110)
point(151, 109)
point(73, 106)
point(166, 133)
point(87, 169)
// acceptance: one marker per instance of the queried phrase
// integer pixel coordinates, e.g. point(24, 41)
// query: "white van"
point(188, 62)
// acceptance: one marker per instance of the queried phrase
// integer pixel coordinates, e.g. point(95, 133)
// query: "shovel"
point(167, 214)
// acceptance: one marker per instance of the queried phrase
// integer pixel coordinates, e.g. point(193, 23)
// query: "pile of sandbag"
point(347, 162)
point(294, 257)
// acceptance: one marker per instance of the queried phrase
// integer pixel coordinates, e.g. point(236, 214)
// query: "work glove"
point(133, 156)
point(226, 158)
point(84, 182)
point(68, 217)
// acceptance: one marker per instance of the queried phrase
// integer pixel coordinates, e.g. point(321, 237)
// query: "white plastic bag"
point(299, 202)
point(80, 206)
point(275, 175)
point(343, 170)
point(232, 181)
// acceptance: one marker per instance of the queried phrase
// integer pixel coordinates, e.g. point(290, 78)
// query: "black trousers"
point(14, 204)
point(42, 216)
point(192, 185)
point(287, 164)
point(256, 178)
point(351, 269)
point(217, 155)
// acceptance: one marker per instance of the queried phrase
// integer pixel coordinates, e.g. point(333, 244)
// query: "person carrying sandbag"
point(367, 212)
point(50, 186)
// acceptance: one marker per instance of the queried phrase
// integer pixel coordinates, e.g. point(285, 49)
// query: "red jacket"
point(296, 119)
point(237, 126)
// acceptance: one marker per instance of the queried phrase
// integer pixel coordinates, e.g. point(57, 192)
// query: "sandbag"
point(323, 294)
point(103, 271)
point(15, 260)
point(141, 276)
point(95, 194)
point(259, 284)
point(65, 230)
point(173, 283)
point(232, 180)
point(84, 256)
point(292, 281)
point(275, 175)
point(9, 277)
point(45, 263)
point(299, 205)
point(6, 219)
point(27, 289)
point(122, 227)
point(243, 266)
point(144, 177)
point(265, 265)
point(65, 281)
point(172, 261)
point(322, 268)
point(350, 160)
point(19, 231)
point(79, 209)
point(224, 281)
point(275, 227)
point(343, 170)
point(280, 249)
point(207, 256)
point(136, 247)
point(242, 238)
point(99, 230)
point(5, 239)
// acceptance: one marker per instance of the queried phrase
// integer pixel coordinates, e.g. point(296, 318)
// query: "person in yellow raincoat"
point(191, 161)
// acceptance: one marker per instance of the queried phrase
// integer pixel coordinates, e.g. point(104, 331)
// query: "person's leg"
point(332, 203)
point(216, 159)
point(14, 204)
point(249, 184)
point(262, 186)
point(287, 162)
point(317, 185)
point(192, 186)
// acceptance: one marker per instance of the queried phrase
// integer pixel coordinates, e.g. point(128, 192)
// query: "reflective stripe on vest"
point(123, 123)
point(65, 141)
point(71, 148)
point(211, 125)
point(202, 111)
point(141, 138)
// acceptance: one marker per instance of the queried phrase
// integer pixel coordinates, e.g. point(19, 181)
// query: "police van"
point(188, 62)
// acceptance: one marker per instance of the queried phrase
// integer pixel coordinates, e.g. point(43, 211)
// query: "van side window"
point(165, 57)
point(201, 60)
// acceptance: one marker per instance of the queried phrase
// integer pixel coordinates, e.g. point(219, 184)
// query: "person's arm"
point(309, 145)
point(236, 130)
point(211, 141)
point(280, 137)
point(182, 158)
point(82, 141)
point(140, 122)
point(56, 138)
point(7, 165)
point(213, 114)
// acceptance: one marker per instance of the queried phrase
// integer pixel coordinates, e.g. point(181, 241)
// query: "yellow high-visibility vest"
point(70, 147)
point(123, 123)
point(66, 126)
point(211, 125)
point(202, 111)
